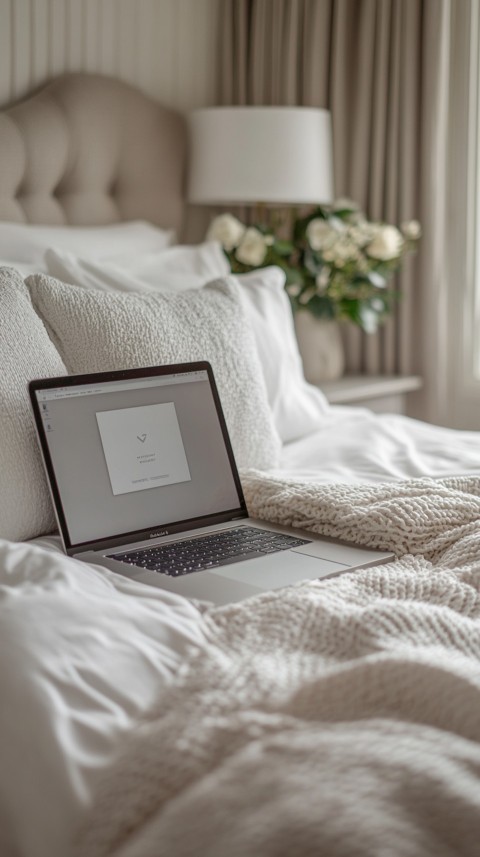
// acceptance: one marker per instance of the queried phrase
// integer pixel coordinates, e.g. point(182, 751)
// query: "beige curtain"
point(381, 68)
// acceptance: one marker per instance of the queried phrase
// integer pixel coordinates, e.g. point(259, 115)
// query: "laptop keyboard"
point(214, 549)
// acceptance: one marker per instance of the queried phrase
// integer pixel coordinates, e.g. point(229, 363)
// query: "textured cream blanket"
point(339, 718)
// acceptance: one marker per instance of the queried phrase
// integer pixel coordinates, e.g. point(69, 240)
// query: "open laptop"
point(144, 482)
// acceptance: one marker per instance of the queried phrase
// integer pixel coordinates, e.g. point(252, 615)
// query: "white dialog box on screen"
point(143, 447)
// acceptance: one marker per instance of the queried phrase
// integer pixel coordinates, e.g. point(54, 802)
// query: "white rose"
point(411, 230)
point(362, 232)
point(253, 247)
point(329, 256)
point(345, 249)
point(227, 229)
point(340, 252)
point(386, 245)
point(319, 233)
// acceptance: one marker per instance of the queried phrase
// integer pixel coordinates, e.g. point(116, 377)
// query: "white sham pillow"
point(84, 653)
point(298, 408)
point(27, 243)
point(174, 269)
point(98, 331)
point(26, 352)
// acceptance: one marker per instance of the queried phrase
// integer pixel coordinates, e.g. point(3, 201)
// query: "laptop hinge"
point(157, 532)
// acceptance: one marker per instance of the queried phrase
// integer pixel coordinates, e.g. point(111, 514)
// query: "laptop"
point(144, 482)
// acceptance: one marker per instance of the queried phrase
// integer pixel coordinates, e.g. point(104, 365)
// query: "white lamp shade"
point(275, 155)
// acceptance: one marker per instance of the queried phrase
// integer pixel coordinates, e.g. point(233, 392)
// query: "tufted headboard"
point(91, 150)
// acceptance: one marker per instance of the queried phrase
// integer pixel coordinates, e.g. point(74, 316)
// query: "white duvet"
point(355, 445)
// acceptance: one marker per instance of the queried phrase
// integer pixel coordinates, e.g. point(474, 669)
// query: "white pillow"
point(174, 269)
point(24, 242)
point(26, 352)
point(98, 331)
point(83, 654)
point(297, 406)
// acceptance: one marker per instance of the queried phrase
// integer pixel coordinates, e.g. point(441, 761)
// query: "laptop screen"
point(131, 454)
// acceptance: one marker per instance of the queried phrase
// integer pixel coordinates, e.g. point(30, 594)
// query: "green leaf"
point(293, 275)
point(350, 309)
point(282, 247)
point(322, 307)
point(263, 228)
point(344, 213)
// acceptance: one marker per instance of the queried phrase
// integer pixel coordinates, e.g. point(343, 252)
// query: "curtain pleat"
point(431, 320)
point(362, 60)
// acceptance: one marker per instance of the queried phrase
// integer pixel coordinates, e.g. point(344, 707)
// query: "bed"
point(335, 718)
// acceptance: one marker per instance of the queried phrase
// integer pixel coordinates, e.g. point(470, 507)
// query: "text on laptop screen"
point(133, 454)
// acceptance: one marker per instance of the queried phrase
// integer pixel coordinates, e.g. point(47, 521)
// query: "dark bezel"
point(144, 534)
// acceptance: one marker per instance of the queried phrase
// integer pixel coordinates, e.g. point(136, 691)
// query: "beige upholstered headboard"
point(90, 150)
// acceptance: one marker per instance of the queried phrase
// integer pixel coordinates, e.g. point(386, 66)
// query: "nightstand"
point(380, 393)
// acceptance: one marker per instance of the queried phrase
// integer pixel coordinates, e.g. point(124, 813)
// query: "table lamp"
point(260, 155)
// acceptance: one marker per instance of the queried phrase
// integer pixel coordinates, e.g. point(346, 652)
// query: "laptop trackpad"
point(280, 569)
point(203, 585)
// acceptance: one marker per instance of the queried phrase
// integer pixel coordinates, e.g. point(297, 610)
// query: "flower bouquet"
point(337, 263)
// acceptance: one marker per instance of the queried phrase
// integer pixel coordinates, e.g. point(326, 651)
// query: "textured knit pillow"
point(96, 331)
point(26, 352)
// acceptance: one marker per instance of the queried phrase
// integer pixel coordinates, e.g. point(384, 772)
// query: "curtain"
point(382, 68)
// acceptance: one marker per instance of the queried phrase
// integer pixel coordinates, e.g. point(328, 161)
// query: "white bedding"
point(85, 653)
point(95, 651)
point(355, 445)
point(82, 689)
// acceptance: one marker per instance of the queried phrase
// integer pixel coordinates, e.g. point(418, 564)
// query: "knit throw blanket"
point(337, 718)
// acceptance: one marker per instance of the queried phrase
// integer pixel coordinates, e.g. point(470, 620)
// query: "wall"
point(166, 47)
